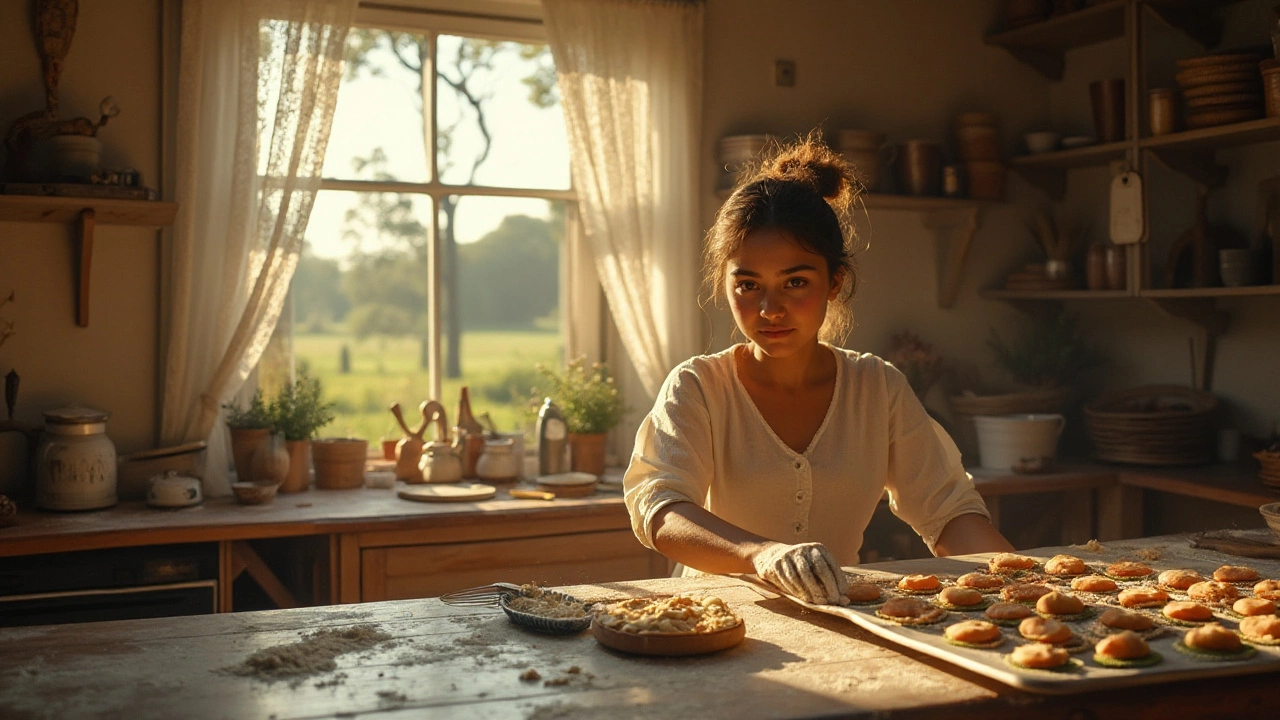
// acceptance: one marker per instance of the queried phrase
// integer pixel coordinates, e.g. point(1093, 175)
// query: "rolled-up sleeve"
point(672, 461)
point(928, 486)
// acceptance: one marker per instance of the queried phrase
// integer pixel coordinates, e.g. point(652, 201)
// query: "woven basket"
point(966, 406)
point(1269, 474)
point(1153, 425)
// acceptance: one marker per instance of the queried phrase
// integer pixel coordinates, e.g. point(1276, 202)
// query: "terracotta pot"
point(586, 452)
point(244, 443)
point(299, 477)
point(339, 462)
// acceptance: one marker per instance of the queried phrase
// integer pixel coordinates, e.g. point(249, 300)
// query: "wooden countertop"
point(445, 662)
point(307, 513)
point(360, 510)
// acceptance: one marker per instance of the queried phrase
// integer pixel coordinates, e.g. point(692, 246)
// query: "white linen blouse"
point(705, 442)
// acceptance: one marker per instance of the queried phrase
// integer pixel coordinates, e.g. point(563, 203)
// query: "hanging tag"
point(1126, 208)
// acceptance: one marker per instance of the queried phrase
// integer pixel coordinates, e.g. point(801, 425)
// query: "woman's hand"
point(807, 571)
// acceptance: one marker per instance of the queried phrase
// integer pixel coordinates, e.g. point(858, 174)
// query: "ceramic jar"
point(498, 462)
point(75, 461)
point(270, 463)
point(439, 464)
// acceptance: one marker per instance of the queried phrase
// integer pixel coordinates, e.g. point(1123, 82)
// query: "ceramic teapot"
point(440, 464)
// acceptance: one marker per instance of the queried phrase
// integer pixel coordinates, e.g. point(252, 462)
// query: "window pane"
point(508, 302)
point(508, 89)
point(360, 307)
point(379, 126)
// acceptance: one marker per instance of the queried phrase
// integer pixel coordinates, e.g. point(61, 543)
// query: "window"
point(434, 252)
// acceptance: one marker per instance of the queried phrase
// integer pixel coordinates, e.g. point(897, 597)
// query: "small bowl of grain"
point(546, 611)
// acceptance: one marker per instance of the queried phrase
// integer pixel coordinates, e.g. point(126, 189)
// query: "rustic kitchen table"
point(439, 661)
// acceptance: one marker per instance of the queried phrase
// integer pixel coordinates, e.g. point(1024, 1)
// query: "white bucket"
point(1021, 441)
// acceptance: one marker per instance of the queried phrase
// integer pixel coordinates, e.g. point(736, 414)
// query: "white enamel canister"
point(75, 461)
point(1009, 441)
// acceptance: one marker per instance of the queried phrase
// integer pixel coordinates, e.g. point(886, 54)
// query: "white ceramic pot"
point(75, 461)
point(498, 463)
point(76, 156)
point(1006, 442)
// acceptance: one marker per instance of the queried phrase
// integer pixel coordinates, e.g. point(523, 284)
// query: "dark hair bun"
point(811, 163)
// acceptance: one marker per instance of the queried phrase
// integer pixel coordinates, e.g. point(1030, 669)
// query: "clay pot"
point(339, 462)
point(299, 477)
point(244, 443)
point(587, 452)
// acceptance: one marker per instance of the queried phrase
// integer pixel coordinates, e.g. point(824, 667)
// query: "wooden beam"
point(245, 558)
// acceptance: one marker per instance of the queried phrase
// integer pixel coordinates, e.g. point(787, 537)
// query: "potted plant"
point(298, 412)
point(591, 406)
point(1046, 360)
point(250, 428)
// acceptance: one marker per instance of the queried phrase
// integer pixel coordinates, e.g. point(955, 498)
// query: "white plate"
point(448, 493)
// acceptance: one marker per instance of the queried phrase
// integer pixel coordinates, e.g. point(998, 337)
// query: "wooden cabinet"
point(552, 547)
point(1189, 154)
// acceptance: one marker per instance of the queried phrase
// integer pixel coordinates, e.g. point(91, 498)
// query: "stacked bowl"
point(735, 152)
point(1220, 89)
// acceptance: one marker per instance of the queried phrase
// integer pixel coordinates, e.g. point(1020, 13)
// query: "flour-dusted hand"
point(807, 571)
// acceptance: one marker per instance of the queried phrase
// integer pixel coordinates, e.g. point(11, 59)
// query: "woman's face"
point(778, 291)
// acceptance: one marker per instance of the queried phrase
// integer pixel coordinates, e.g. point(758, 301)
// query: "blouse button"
point(799, 495)
point(799, 464)
point(799, 527)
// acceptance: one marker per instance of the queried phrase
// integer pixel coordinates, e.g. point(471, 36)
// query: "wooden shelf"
point(1211, 292)
point(40, 208)
point(85, 214)
point(999, 294)
point(1219, 136)
point(1043, 45)
point(1048, 171)
point(880, 201)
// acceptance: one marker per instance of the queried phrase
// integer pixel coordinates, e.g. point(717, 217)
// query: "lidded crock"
point(75, 461)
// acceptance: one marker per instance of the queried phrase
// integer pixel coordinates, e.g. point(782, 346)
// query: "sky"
point(529, 146)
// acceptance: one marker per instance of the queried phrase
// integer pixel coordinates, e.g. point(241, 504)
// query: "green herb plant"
point(257, 416)
point(298, 410)
point(587, 396)
point(1050, 353)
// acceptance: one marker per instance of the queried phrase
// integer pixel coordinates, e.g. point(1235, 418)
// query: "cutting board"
point(448, 493)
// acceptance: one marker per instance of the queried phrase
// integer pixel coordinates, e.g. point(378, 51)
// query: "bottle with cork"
point(468, 435)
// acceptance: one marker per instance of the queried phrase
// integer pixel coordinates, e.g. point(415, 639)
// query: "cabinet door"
point(418, 571)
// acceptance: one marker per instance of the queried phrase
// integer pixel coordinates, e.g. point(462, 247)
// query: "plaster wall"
point(112, 363)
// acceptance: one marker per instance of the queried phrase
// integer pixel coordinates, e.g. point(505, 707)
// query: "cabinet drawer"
point(417, 571)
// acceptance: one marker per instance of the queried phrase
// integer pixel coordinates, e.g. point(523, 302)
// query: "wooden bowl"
point(669, 644)
point(251, 493)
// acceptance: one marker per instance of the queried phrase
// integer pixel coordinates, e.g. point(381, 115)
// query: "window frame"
point(450, 18)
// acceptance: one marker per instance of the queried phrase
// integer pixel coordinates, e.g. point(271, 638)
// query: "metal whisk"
point(483, 596)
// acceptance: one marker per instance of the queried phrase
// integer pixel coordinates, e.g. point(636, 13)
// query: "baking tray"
point(1175, 553)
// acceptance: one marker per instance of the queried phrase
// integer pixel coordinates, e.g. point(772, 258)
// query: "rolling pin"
point(531, 495)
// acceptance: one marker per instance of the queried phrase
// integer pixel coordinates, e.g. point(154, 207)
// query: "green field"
point(498, 366)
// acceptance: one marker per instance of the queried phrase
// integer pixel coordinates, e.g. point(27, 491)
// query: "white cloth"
point(630, 79)
point(705, 442)
point(258, 84)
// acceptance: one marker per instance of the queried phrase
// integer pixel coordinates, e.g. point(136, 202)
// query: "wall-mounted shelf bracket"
point(84, 262)
point(953, 230)
point(1199, 23)
point(1209, 321)
point(1198, 165)
point(1050, 180)
point(1049, 63)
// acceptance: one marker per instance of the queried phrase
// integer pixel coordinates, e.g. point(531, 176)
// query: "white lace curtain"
point(630, 75)
point(258, 84)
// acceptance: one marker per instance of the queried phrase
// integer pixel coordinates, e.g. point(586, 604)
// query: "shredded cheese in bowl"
point(548, 605)
point(680, 614)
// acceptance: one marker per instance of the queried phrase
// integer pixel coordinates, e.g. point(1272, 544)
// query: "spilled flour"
point(312, 655)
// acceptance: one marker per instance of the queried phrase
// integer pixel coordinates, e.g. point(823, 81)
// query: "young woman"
point(770, 457)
